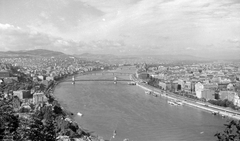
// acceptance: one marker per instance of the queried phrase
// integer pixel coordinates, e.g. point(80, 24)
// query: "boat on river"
point(172, 103)
point(175, 103)
point(151, 93)
point(79, 114)
point(132, 83)
point(148, 92)
point(215, 113)
point(179, 103)
point(154, 94)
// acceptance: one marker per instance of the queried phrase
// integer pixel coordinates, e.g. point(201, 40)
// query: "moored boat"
point(131, 83)
point(148, 92)
point(79, 114)
point(179, 103)
point(176, 103)
point(154, 94)
point(171, 102)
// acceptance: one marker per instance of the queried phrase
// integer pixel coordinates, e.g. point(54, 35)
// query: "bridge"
point(115, 78)
point(109, 73)
point(102, 80)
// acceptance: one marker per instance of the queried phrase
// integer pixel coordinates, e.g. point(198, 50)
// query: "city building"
point(187, 86)
point(236, 99)
point(16, 102)
point(198, 89)
point(207, 94)
point(23, 94)
point(229, 95)
point(10, 79)
point(143, 75)
point(165, 85)
point(49, 78)
point(4, 73)
point(39, 98)
point(213, 86)
point(222, 86)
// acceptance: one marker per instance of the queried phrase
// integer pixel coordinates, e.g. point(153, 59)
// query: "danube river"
point(133, 114)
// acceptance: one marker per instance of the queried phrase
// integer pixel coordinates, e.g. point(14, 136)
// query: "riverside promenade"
point(224, 112)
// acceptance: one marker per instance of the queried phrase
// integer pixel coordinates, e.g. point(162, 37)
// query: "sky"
point(205, 28)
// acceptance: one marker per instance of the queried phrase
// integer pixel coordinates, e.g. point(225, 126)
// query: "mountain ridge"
point(31, 53)
point(104, 57)
point(165, 56)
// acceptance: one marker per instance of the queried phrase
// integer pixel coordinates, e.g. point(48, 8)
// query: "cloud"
point(100, 25)
point(44, 15)
point(8, 26)
point(145, 21)
point(61, 43)
point(5, 26)
point(234, 40)
point(17, 39)
point(110, 6)
point(13, 38)
point(232, 43)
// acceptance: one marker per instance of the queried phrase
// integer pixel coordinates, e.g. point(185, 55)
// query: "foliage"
point(35, 129)
point(231, 132)
point(24, 110)
point(45, 123)
point(153, 82)
point(223, 103)
point(9, 121)
point(58, 110)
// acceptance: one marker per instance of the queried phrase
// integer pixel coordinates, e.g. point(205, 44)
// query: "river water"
point(133, 114)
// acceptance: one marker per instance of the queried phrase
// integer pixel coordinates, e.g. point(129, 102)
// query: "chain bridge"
point(114, 79)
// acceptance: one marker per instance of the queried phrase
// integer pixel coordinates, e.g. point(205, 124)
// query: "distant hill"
point(177, 57)
point(91, 56)
point(108, 58)
point(32, 53)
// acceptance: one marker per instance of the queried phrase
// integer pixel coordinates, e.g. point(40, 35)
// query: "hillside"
point(32, 53)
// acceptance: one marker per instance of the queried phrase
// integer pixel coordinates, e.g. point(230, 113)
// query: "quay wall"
point(197, 105)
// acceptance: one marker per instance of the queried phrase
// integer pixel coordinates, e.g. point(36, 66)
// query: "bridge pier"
point(115, 80)
point(73, 80)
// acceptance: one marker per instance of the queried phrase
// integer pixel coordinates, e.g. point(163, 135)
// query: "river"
point(133, 114)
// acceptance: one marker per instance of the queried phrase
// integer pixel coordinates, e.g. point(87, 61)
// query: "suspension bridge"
point(110, 73)
point(114, 78)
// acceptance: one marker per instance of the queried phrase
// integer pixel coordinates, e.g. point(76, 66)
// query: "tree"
point(9, 121)
point(153, 82)
point(40, 126)
point(230, 133)
point(39, 87)
point(34, 129)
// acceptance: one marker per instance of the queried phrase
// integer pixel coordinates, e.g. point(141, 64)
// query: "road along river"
point(133, 114)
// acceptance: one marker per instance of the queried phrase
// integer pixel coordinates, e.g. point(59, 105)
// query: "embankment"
point(209, 108)
point(66, 118)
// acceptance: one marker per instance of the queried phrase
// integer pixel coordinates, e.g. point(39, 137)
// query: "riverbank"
point(212, 109)
point(84, 134)
point(125, 108)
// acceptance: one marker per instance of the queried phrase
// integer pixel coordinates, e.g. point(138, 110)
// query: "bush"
point(230, 133)
point(24, 110)
point(223, 103)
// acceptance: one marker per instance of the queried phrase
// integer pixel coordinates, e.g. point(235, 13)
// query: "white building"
point(198, 89)
point(39, 98)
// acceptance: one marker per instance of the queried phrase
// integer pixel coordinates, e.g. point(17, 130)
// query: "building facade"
point(39, 98)
point(23, 94)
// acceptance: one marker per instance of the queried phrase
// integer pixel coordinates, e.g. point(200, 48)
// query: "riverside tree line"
point(45, 121)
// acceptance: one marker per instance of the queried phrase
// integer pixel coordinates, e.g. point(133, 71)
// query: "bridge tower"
point(115, 80)
point(73, 80)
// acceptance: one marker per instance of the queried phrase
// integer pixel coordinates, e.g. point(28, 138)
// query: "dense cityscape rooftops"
point(28, 79)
